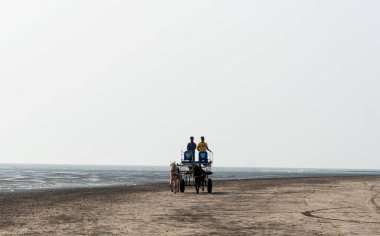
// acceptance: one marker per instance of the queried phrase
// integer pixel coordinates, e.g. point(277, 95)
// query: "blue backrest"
point(187, 156)
point(203, 157)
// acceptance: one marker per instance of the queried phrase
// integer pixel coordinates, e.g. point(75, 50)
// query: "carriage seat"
point(203, 157)
point(187, 156)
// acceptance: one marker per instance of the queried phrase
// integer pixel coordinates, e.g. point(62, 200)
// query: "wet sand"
point(298, 206)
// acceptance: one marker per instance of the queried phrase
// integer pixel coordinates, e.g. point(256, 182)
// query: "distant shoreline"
point(158, 185)
point(21, 177)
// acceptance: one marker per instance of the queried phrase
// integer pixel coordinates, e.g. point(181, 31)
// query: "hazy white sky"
point(268, 83)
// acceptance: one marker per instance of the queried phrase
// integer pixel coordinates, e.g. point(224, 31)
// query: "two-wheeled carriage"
point(189, 176)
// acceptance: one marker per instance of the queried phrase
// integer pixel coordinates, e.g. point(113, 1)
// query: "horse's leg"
point(175, 186)
point(171, 183)
point(178, 182)
point(203, 184)
point(197, 183)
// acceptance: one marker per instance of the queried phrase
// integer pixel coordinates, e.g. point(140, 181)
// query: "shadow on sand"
point(213, 193)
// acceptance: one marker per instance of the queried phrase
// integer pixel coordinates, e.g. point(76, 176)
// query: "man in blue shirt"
point(191, 147)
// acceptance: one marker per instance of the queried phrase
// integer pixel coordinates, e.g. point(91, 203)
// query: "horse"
point(199, 176)
point(175, 177)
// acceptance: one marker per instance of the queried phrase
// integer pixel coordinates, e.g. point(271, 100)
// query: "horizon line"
point(145, 165)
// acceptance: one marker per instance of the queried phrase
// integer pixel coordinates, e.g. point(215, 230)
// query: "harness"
point(174, 173)
point(199, 172)
point(199, 176)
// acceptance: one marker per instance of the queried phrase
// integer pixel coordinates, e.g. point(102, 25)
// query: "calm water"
point(14, 177)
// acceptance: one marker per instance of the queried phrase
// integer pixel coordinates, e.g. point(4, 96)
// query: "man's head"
point(191, 138)
point(202, 139)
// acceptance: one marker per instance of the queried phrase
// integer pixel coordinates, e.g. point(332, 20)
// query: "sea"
point(21, 177)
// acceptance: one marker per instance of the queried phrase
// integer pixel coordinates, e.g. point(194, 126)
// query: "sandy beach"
point(298, 206)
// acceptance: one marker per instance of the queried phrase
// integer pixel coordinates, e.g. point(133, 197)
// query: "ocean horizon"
point(20, 177)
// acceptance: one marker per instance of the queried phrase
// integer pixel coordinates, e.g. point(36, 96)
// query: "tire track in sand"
point(372, 200)
point(337, 231)
point(371, 204)
point(310, 213)
point(266, 212)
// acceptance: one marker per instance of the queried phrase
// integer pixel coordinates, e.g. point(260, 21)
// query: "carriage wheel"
point(182, 186)
point(209, 185)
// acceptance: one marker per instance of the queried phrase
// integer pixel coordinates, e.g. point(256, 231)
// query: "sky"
point(268, 83)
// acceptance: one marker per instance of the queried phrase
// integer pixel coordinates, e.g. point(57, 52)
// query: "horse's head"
point(173, 166)
point(198, 170)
